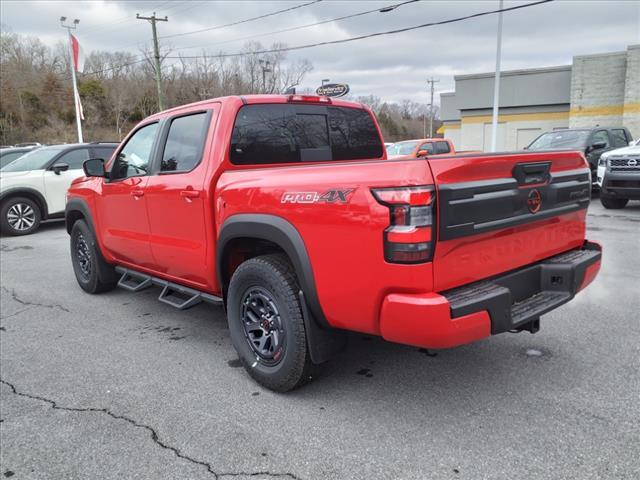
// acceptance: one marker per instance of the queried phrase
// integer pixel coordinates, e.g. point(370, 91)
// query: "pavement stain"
point(7, 248)
point(8, 473)
point(365, 371)
point(154, 437)
point(235, 363)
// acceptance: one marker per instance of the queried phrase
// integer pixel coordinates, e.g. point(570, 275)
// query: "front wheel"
point(266, 324)
point(93, 274)
point(20, 216)
point(613, 203)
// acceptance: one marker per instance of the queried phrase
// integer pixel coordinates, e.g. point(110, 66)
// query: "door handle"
point(188, 194)
point(137, 193)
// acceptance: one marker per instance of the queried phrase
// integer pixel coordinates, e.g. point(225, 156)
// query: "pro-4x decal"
point(334, 195)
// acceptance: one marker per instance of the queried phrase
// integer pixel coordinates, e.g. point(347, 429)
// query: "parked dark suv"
point(593, 142)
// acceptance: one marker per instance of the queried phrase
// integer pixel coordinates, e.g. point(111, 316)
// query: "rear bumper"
point(506, 302)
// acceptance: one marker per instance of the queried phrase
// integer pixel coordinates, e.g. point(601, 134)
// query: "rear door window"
point(277, 133)
point(103, 152)
point(619, 138)
point(185, 143)
point(75, 158)
point(442, 147)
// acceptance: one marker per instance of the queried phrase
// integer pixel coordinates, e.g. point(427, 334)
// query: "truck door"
point(176, 198)
point(122, 213)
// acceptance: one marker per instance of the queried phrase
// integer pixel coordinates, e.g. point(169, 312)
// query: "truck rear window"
point(275, 133)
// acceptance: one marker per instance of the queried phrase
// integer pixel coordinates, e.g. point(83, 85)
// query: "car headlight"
point(603, 161)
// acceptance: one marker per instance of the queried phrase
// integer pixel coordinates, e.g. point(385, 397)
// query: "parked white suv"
point(33, 187)
point(619, 176)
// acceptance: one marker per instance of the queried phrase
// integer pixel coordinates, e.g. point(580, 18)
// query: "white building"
point(601, 89)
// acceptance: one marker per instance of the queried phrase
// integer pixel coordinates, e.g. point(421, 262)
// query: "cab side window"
point(74, 158)
point(185, 142)
point(133, 160)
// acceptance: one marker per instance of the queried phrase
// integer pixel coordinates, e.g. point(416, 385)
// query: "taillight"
point(408, 238)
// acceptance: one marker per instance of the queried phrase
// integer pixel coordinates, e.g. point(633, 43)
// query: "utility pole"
point(431, 82)
point(152, 20)
point(76, 96)
point(496, 85)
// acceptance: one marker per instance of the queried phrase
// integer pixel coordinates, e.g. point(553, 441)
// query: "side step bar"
point(177, 296)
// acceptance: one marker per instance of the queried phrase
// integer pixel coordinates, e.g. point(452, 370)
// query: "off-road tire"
point(274, 275)
point(613, 203)
point(16, 213)
point(99, 276)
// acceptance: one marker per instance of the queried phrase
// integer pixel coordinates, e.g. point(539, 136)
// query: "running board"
point(177, 296)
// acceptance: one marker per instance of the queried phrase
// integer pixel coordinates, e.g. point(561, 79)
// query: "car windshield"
point(561, 139)
point(402, 148)
point(35, 160)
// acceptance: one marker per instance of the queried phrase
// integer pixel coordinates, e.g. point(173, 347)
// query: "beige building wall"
point(515, 131)
point(631, 110)
point(597, 90)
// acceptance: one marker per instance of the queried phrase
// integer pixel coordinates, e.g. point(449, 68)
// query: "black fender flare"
point(77, 205)
point(279, 231)
point(323, 340)
point(42, 202)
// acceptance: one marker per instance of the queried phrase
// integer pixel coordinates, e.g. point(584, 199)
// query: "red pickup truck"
point(285, 210)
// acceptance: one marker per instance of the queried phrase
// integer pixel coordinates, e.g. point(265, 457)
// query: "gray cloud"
point(392, 67)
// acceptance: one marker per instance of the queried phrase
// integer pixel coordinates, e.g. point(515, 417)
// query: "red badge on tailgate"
point(534, 201)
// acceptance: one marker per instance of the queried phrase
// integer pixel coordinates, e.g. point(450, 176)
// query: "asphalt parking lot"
point(122, 386)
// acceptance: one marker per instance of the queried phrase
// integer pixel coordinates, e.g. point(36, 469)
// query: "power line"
point(300, 47)
point(362, 37)
point(105, 70)
point(299, 27)
point(242, 21)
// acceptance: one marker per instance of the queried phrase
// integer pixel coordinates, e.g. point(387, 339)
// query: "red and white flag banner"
point(77, 95)
point(78, 54)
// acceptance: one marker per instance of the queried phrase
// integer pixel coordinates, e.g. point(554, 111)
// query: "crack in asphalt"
point(7, 248)
point(154, 435)
point(15, 297)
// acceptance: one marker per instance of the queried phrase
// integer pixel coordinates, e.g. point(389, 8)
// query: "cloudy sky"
point(392, 67)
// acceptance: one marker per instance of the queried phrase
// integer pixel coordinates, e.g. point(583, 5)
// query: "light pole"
point(496, 85)
point(76, 96)
point(265, 64)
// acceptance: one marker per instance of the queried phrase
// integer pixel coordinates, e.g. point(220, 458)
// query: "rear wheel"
point(20, 216)
point(266, 324)
point(613, 203)
point(93, 274)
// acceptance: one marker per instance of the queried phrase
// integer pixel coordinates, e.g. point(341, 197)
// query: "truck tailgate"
point(499, 212)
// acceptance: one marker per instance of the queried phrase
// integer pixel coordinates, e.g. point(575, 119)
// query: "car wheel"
point(266, 323)
point(20, 216)
point(613, 203)
point(93, 274)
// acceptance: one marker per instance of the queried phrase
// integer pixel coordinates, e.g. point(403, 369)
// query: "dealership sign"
point(333, 90)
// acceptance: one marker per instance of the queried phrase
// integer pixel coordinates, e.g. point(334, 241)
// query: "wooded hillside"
point(118, 90)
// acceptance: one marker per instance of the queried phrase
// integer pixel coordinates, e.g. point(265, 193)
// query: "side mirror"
point(60, 167)
point(94, 167)
point(597, 146)
point(423, 153)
